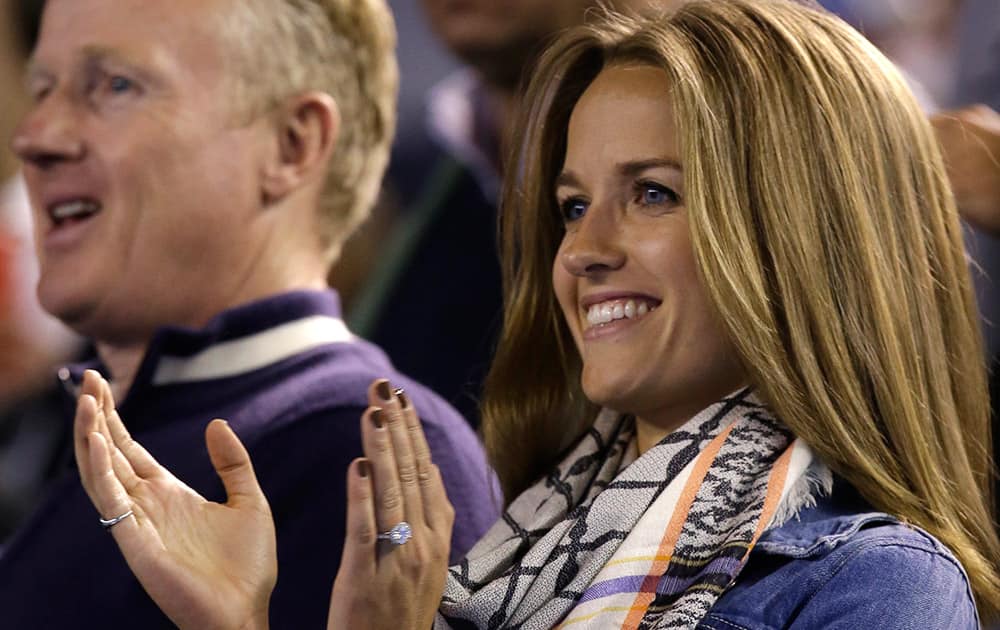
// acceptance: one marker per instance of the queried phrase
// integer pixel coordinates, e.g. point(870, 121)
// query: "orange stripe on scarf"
point(647, 592)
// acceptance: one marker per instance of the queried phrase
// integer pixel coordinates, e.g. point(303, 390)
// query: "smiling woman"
point(735, 293)
point(809, 247)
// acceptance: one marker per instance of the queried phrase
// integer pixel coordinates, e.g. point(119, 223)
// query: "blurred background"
point(949, 49)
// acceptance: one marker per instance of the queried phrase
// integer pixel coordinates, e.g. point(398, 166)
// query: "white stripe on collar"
point(246, 354)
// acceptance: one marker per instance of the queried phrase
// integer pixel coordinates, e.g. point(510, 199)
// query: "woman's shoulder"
point(841, 564)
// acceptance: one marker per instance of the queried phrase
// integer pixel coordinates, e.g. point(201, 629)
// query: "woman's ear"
point(307, 127)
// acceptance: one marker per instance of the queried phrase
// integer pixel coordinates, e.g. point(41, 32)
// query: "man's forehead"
point(150, 18)
point(130, 31)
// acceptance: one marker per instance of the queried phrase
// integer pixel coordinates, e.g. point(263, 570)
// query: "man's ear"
point(307, 127)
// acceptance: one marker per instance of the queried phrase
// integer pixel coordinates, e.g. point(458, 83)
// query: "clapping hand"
point(970, 140)
point(210, 565)
point(381, 584)
point(206, 565)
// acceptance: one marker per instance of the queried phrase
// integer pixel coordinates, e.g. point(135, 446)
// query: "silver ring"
point(398, 535)
point(108, 524)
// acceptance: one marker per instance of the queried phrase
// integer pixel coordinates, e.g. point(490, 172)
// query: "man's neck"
point(123, 359)
point(122, 362)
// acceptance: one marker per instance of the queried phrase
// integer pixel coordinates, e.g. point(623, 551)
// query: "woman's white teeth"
point(606, 312)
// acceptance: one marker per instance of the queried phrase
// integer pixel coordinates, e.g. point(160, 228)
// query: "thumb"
point(232, 464)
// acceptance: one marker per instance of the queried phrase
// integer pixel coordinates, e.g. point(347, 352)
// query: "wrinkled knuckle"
point(416, 560)
point(391, 500)
point(413, 429)
point(382, 444)
point(366, 535)
point(425, 476)
point(408, 474)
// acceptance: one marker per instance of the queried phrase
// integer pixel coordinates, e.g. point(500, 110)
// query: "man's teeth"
point(605, 312)
point(74, 209)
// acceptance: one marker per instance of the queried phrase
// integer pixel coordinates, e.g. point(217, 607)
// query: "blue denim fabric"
point(842, 565)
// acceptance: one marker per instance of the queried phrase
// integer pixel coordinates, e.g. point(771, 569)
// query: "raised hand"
point(970, 140)
point(206, 565)
point(381, 584)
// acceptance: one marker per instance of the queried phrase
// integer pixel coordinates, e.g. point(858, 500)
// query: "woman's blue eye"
point(655, 194)
point(573, 209)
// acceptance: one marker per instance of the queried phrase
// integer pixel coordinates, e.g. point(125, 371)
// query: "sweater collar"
point(235, 342)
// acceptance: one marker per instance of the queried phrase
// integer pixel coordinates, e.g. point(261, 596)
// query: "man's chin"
point(72, 310)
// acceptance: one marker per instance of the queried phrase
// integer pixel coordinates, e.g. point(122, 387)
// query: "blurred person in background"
point(33, 430)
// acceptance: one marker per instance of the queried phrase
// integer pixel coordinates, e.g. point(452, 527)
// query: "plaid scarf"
point(609, 540)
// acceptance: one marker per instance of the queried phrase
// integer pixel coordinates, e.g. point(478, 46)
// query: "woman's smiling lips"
point(607, 314)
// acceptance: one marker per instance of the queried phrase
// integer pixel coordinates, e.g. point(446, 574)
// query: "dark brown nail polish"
point(404, 400)
point(384, 391)
point(363, 467)
point(377, 419)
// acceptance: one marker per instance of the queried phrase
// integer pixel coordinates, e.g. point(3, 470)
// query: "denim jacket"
point(841, 565)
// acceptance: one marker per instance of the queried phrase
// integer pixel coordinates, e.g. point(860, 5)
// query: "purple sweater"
point(292, 382)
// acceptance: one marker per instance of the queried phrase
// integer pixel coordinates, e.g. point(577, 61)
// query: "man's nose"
point(49, 134)
point(593, 245)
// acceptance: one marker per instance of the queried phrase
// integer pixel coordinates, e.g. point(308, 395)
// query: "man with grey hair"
point(193, 168)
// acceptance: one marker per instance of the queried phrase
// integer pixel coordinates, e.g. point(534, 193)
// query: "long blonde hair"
point(826, 235)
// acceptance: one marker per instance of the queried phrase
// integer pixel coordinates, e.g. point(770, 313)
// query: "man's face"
point(145, 186)
point(498, 37)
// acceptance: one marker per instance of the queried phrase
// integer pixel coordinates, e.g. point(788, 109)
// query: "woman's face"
point(625, 274)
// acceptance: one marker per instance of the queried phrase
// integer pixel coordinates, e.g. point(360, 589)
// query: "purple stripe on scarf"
point(624, 584)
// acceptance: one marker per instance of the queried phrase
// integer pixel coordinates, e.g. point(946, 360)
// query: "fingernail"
point(404, 400)
point(363, 469)
point(384, 391)
point(377, 419)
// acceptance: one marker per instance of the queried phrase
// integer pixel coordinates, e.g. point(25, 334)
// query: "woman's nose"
point(593, 244)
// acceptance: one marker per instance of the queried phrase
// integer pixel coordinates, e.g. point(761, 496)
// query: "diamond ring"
point(398, 535)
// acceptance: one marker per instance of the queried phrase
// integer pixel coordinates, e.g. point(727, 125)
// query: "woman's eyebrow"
point(567, 178)
point(633, 168)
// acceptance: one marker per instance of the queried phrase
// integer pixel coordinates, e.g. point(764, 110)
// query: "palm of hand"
point(196, 558)
point(206, 565)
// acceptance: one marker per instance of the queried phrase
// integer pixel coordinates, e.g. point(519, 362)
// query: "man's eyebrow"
point(93, 54)
point(97, 54)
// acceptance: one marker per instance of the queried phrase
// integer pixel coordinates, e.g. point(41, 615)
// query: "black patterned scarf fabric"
point(611, 540)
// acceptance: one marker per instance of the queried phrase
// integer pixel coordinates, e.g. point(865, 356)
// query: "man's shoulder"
point(332, 383)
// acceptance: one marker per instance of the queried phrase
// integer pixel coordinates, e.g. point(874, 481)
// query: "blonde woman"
point(740, 381)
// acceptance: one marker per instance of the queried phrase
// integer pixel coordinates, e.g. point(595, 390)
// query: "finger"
point(358, 557)
point(402, 448)
point(384, 478)
point(232, 464)
point(95, 385)
point(420, 449)
point(89, 418)
point(138, 457)
point(110, 497)
point(440, 512)
point(83, 425)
